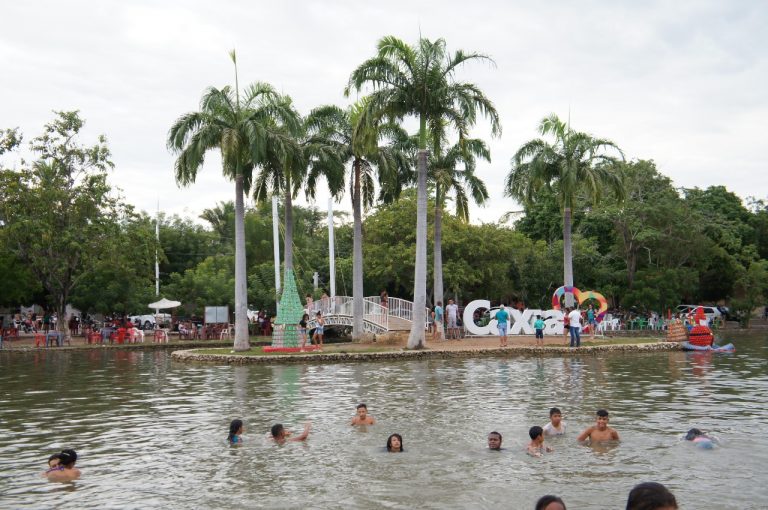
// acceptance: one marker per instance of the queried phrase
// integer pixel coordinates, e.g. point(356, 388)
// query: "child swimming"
point(700, 439)
point(65, 470)
point(236, 428)
point(395, 443)
point(536, 448)
point(555, 427)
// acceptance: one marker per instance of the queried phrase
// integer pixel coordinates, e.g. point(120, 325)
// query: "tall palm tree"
point(419, 81)
point(453, 171)
point(577, 162)
point(375, 148)
point(300, 162)
point(240, 126)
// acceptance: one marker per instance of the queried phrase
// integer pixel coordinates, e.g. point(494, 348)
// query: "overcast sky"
point(684, 83)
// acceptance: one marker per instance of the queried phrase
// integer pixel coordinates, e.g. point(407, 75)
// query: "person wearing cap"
point(67, 470)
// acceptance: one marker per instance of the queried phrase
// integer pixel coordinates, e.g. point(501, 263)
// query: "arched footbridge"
point(397, 315)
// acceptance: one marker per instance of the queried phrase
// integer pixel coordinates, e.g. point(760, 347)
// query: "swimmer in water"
point(281, 436)
point(600, 432)
point(395, 443)
point(700, 439)
point(65, 471)
point(494, 441)
point(536, 448)
point(362, 417)
point(53, 464)
point(236, 429)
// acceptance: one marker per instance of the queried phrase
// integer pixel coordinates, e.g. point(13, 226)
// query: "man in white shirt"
point(452, 312)
point(575, 323)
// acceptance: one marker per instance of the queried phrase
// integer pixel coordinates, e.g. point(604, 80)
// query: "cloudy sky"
point(684, 83)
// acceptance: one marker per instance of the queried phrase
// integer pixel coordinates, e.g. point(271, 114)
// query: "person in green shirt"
point(502, 318)
point(539, 327)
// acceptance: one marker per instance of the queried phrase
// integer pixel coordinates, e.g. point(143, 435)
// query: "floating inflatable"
point(688, 346)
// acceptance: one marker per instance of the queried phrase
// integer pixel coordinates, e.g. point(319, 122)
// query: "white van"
point(710, 312)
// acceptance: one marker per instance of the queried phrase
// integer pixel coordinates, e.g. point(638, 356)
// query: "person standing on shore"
point(575, 326)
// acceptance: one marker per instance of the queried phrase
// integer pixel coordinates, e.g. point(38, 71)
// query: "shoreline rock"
point(345, 357)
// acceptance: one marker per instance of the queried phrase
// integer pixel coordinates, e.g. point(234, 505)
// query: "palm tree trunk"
point(241, 281)
point(567, 255)
point(357, 258)
point(416, 338)
point(438, 250)
point(288, 239)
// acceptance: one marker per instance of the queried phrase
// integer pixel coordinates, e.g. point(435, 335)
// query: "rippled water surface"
point(151, 432)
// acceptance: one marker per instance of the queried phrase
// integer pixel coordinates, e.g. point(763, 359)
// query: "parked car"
point(710, 312)
point(148, 321)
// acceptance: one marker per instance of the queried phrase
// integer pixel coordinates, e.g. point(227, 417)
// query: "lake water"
point(151, 432)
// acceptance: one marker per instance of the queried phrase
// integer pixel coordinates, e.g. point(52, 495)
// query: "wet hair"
point(693, 434)
point(234, 428)
point(55, 456)
point(554, 410)
point(535, 431)
point(67, 457)
point(361, 406)
point(650, 496)
point(494, 433)
point(277, 429)
point(602, 413)
point(389, 442)
point(545, 501)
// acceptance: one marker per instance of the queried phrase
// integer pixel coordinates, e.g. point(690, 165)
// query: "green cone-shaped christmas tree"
point(289, 313)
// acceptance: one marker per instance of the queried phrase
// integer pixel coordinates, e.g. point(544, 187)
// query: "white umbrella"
point(164, 303)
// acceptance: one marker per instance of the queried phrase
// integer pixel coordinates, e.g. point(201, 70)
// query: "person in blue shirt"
point(236, 428)
point(502, 318)
point(437, 334)
point(538, 325)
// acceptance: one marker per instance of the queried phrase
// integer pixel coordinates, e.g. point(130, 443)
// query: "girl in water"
point(395, 443)
point(235, 430)
point(65, 471)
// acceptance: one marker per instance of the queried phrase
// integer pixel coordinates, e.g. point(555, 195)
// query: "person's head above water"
point(67, 458)
point(693, 434)
point(602, 418)
point(54, 460)
point(235, 429)
point(651, 496)
point(535, 432)
point(550, 502)
point(278, 431)
point(362, 410)
point(494, 441)
point(395, 443)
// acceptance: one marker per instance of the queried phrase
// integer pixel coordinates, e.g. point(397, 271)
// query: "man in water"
point(494, 441)
point(281, 436)
point(65, 471)
point(600, 432)
point(362, 417)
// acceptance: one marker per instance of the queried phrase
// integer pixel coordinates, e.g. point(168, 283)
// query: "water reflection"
point(141, 422)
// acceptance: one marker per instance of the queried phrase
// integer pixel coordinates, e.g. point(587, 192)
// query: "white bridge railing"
point(337, 311)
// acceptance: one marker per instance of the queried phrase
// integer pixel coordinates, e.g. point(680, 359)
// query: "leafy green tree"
point(752, 289)
point(420, 81)
point(374, 153)
point(241, 129)
point(61, 218)
point(577, 162)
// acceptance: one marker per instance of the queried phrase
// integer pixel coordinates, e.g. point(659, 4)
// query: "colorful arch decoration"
point(580, 298)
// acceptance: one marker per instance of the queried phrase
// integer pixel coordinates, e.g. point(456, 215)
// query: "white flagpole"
point(276, 240)
point(331, 250)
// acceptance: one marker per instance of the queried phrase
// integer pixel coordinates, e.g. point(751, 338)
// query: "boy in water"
point(494, 441)
point(555, 427)
point(538, 325)
point(600, 431)
point(362, 417)
point(281, 436)
point(536, 447)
